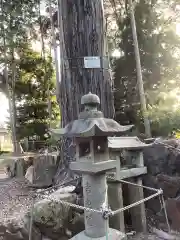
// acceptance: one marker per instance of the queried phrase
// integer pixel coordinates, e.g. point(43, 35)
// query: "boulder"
point(77, 224)
point(12, 231)
point(169, 185)
point(163, 165)
point(163, 158)
point(163, 235)
point(173, 212)
point(36, 234)
point(2, 231)
point(51, 216)
point(160, 159)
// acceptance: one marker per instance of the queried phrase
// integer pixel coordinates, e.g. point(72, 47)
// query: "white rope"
point(6, 157)
point(74, 205)
point(134, 184)
point(160, 192)
point(110, 213)
point(141, 186)
point(163, 206)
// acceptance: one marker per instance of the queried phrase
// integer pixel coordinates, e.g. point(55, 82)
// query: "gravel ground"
point(141, 236)
point(15, 199)
point(144, 237)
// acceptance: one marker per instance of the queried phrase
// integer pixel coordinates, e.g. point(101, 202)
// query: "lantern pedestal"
point(95, 196)
point(112, 235)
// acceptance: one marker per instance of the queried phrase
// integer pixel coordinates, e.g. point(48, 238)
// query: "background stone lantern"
point(132, 170)
point(91, 133)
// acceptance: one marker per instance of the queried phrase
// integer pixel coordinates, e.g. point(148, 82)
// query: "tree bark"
point(82, 33)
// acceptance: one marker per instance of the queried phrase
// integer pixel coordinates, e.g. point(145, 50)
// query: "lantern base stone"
point(113, 234)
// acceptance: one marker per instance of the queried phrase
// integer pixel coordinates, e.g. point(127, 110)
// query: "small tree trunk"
point(82, 34)
point(13, 79)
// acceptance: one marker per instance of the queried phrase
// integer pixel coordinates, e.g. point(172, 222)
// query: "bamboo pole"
point(139, 72)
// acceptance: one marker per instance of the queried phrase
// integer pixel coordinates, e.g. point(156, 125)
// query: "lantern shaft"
point(95, 196)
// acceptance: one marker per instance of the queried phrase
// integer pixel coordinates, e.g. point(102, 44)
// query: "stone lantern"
point(133, 169)
point(91, 132)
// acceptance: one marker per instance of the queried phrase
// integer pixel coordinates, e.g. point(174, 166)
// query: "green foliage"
point(17, 23)
point(159, 48)
point(165, 113)
point(32, 91)
point(31, 77)
point(164, 121)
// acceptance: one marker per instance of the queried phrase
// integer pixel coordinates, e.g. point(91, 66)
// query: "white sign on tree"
point(92, 62)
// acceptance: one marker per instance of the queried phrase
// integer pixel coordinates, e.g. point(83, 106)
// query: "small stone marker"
point(30, 174)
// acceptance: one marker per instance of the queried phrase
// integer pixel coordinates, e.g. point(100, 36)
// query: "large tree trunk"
point(82, 34)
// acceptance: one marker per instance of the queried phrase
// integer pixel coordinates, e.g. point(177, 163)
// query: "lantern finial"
point(90, 99)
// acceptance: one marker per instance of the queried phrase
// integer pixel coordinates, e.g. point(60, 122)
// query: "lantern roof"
point(129, 143)
point(91, 122)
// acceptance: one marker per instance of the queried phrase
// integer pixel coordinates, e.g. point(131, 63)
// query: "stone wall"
point(45, 169)
point(163, 165)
